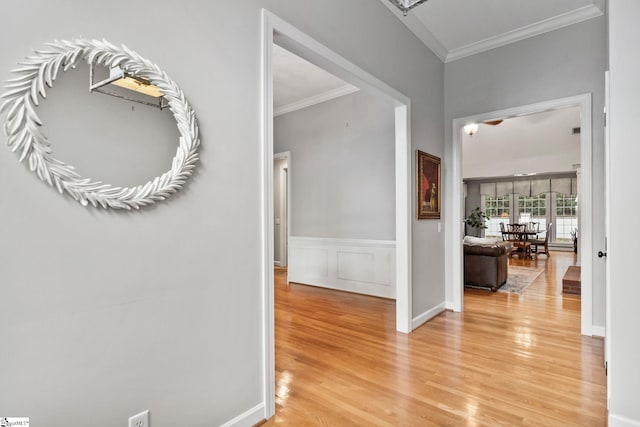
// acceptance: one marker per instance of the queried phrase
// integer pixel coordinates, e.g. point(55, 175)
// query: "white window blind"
point(540, 186)
point(488, 189)
point(522, 187)
point(504, 188)
point(561, 185)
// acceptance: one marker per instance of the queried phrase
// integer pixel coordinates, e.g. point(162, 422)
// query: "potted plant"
point(477, 219)
point(574, 237)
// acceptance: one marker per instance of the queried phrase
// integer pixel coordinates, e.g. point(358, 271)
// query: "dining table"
point(520, 234)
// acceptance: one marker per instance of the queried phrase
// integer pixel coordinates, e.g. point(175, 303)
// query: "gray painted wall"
point(624, 110)
point(105, 314)
point(566, 62)
point(342, 168)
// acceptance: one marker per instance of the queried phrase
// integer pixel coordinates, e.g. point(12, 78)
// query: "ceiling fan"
point(406, 5)
point(472, 128)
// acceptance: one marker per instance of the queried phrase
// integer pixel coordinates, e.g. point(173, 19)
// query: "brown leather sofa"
point(486, 264)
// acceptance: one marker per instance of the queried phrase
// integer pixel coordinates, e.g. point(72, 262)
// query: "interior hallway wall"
point(343, 170)
point(104, 313)
point(566, 62)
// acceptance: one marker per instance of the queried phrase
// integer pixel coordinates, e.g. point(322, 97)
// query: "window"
point(497, 209)
point(566, 217)
point(556, 207)
point(533, 209)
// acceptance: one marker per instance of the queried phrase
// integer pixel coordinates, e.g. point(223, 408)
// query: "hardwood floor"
point(508, 360)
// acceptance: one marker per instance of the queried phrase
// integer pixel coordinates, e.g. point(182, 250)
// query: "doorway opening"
point(281, 167)
point(455, 197)
point(523, 170)
point(288, 37)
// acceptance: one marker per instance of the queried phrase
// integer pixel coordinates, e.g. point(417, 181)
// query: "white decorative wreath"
point(22, 125)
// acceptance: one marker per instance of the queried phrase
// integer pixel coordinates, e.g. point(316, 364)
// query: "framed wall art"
point(427, 186)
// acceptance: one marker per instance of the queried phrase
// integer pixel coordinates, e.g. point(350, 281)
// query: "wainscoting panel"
point(362, 266)
point(314, 261)
point(355, 266)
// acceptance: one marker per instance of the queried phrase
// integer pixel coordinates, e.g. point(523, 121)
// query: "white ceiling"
point(298, 83)
point(454, 29)
point(536, 143)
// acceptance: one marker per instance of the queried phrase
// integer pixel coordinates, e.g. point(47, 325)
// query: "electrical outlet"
point(140, 420)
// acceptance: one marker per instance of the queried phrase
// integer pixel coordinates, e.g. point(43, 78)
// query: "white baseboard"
point(448, 305)
point(428, 315)
point(353, 265)
point(248, 418)
point(618, 421)
point(563, 248)
point(277, 263)
point(598, 331)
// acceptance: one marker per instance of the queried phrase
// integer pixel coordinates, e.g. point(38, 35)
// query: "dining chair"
point(536, 243)
point(505, 234)
point(519, 238)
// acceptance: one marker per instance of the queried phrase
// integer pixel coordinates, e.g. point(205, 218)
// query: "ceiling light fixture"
point(406, 5)
point(471, 129)
point(118, 77)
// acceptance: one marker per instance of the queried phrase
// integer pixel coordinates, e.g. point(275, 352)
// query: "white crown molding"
point(545, 26)
point(316, 99)
point(600, 4)
point(432, 42)
point(418, 28)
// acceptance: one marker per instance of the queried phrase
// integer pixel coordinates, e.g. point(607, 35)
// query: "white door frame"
point(285, 206)
point(306, 47)
point(454, 198)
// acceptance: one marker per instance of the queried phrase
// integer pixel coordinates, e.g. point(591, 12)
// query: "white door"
point(607, 340)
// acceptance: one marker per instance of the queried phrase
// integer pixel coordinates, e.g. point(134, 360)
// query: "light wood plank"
point(508, 360)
